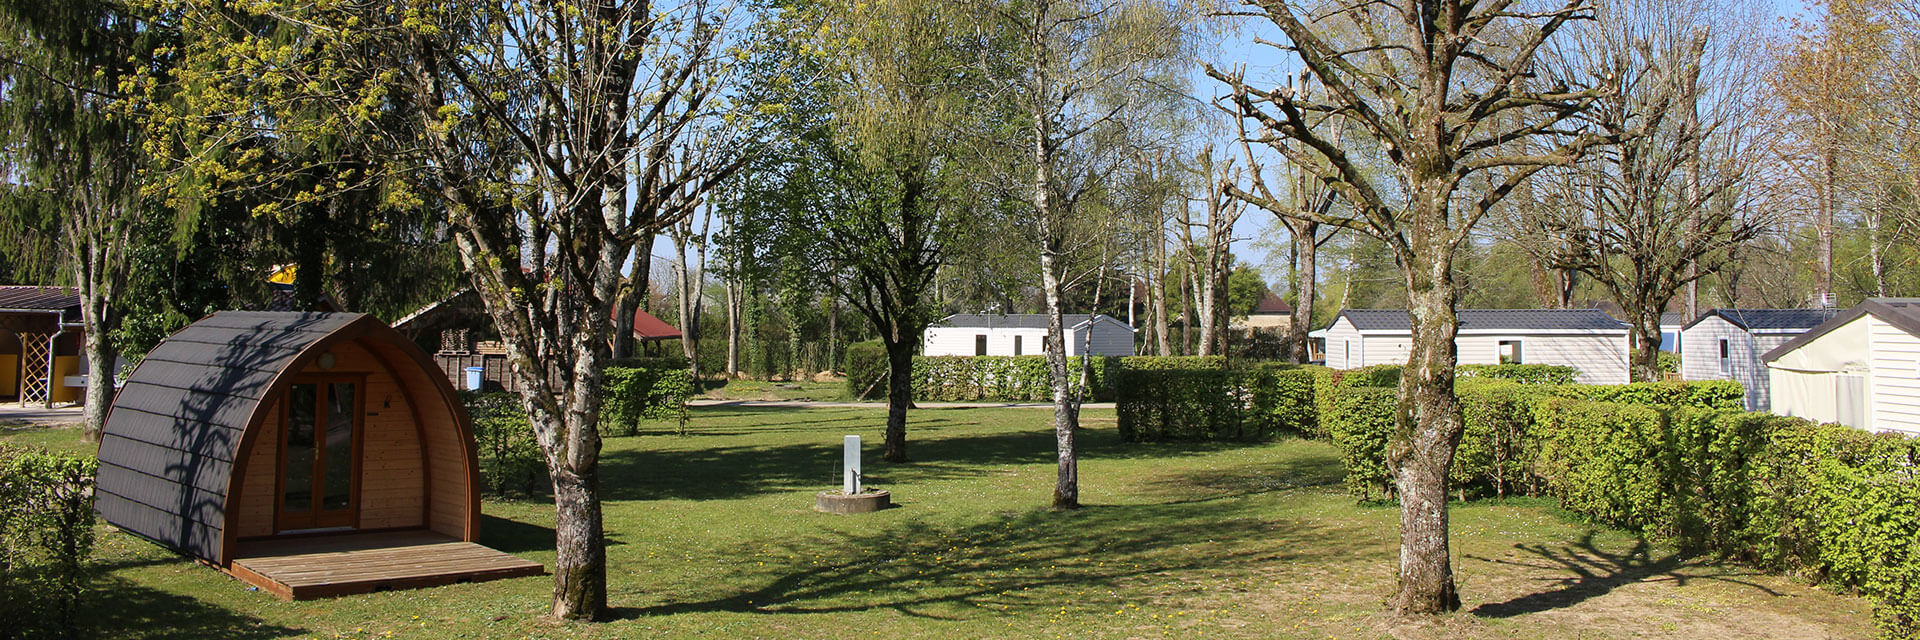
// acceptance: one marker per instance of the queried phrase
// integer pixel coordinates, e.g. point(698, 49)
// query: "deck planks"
point(350, 563)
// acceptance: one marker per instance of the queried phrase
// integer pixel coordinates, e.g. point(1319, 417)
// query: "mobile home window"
point(1509, 351)
point(1016, 345)
point(980, 345)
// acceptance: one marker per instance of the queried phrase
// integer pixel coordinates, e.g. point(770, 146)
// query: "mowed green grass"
point(712, 535)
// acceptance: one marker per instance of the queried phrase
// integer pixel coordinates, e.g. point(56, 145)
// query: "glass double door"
point(319, 443)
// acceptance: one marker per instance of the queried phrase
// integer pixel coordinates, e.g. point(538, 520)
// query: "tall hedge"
point(867, 370)
point(1361, 423)
point(1192, 403)
point(46, 540)
point(633, 395)
point(1521, 373)
point(1281, 398)
point(510, 459)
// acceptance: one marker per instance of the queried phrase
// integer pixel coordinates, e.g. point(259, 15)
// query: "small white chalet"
point(1860, 368)
point(1589, 340)
point(1024, 334)
point(1726, 344)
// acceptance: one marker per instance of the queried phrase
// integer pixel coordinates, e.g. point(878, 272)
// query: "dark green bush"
point(1168, 403)
point(1698, 394)
point(633, 395)
point(46, 539)
point(510, 458)
point(1005, 378)
point(1281, 399)
point(1361, 423)
point(867, 370)
point(1495, 451)
point(1379, 375)
point(1521, 373)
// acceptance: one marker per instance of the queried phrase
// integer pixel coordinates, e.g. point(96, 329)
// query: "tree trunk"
point(1306, 272)
point(733, 329)
point(1644, 360)
point(1158, 298)
point(1429, 424)
point(628, 303)
point(1066, 488)
point(899, 396)
point(580, 553)
point(99, 398)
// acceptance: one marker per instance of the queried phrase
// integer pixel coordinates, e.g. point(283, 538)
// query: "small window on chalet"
point(1510, 352)
point(1016, 345)
point(980, 345)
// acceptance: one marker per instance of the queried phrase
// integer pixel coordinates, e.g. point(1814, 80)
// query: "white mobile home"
point(1726, 344)
point(1025, 334)
point(1860, 368)
point(1589, 340)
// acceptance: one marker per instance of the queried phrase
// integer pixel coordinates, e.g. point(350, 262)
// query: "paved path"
point(11, 413)
point(805, 404)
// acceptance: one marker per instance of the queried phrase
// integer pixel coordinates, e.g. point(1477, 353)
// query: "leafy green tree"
point(1449, 92)
point(77, 159)
point(556, 136)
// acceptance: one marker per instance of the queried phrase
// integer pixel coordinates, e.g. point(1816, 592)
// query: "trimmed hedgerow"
point(510, 460)
point(1521, 373)
point(46, 539)
point(1361, 423)
point(867, 370)
point(633, 395)
point(1005, 378)
point(1173, 400)
point(1281, 398)
point(1379, 375)
point(1699, 394)
point(1494, 452)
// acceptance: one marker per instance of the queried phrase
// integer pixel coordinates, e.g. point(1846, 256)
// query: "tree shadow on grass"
point(1023, 563)
point(1587, 572)
point(738, 471)
point(514, 536)
point(1225, 483)
point(120, 609)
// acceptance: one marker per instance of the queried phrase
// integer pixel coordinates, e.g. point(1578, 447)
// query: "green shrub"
point(633, 395)
point(867, 370)
point(1281, 399)
point(510, 458)
point(1699, 394)
point(1603, 459)
point(46, 539)
point(1495, 450)
point(1004, 378)
point(1379, 375)
point(1361, 423)
point(1521, 373)
point(1197, 402)
point(1667, 362)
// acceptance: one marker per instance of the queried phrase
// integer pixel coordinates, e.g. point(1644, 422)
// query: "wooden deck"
point(337, 565)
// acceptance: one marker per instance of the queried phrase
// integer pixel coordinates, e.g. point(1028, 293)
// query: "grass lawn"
point(712, 536)
point(834, 390)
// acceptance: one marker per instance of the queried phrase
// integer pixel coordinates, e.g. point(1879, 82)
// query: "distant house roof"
point(1763, 320)
point(1489, 320)
point(647, 327)
point(34, 298)
point(1274, 305)
point(1021, 320)
point(1672, 318)
point(1903, 313)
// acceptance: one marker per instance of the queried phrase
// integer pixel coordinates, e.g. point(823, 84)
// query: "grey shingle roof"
point(1673, 318)
point(1015, 320)
point(1764, 319)
point(168, 448)
point(38, 298)
point(1491, 320)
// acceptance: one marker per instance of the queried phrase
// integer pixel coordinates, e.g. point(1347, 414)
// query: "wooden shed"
point(40, 354)
point(311, 454)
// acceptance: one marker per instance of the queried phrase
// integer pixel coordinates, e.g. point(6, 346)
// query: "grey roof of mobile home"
point(1771, 319)
point(1396, 320)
